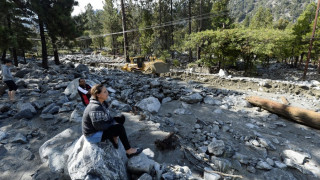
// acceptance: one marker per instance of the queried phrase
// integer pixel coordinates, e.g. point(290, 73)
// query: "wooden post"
point(311, 41)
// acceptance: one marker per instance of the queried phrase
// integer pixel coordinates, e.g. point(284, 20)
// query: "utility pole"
point(311, 41)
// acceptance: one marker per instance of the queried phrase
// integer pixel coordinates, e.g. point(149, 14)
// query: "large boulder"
point(97, 161)
point(193, 98)
point(82, 68)
point(3, 88)
point(72, 88)
point(21, 73)
point(150, 104)
point(26, 106)
point(55, 151)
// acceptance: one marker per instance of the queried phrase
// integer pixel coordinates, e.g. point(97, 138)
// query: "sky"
point(96, 4)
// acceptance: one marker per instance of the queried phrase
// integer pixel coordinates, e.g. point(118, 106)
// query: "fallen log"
point(300, 115)
point(284, 100)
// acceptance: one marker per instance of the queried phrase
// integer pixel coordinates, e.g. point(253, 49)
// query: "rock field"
point(212, 131)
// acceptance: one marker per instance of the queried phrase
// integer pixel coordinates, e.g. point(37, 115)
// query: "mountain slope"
point(286, 9)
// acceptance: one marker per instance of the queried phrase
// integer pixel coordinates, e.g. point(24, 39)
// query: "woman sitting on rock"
point(99, 126)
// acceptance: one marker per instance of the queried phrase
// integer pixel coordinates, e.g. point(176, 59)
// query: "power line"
point(169, 23)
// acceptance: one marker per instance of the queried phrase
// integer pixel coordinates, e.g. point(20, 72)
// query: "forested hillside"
point(286, 9)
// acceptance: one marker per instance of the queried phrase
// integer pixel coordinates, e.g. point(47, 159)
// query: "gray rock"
point(263, 165)
point(266, 143)
point(217, 111)
point(100, 160)
point(82, 68)
point(278, 174)
point(210, 100)
point(25, 154)
point(24, 114)
point(3, 150)
point(155, 84)
point(24, 106)
point(197, 126)
point(54, 110)
point(140, 164)
point(21, 83)
point(4, 108)
point(223, 73)
point(46, 117)
point(296, 157)
point(181, 111)
point(20, 138)
point(126, 94)
point(48, 108)
point(216, 147)
point(208, 174)
point(56, 150)
point(148, 152)
point(40, 103)
point(2, 135)
point(66, 107)
point(21, 73)
point(270, 161)
point(72, 88)
point(177, 172)
point(121, 106)
point(191, 99)
point(241, 158)
point(251, 169)
point(3, 88)
point(167, 99)
point(76, 116)
point(150, 104)
point(215, 129)
point(62, 100)
point(221, 164)
point(145, 176)
point(280, 165)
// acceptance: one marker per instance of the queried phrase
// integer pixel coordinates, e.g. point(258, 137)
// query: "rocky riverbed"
point(212, 132)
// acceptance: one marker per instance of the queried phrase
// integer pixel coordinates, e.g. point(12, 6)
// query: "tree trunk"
point(124, 29)
point(301, 59)
point(172, 40)
point(14, 52)
point(296, 61)
point(190, 51)
point(24, 56)
point(296, 114)
point(319, 66)
point(43, 46)
point(200, 29)
point(4, 53)
point(15, 58)
point(55, 52)
point(113, 46)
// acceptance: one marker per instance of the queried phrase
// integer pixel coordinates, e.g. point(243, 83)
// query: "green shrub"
point(176, 63)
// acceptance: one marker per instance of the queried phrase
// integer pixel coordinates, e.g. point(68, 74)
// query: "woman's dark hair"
point(96, 89)
point(7, 61)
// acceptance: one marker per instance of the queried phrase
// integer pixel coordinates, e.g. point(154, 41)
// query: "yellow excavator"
point(147, 65)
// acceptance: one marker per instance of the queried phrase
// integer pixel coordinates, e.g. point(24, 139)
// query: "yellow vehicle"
point(146, 65)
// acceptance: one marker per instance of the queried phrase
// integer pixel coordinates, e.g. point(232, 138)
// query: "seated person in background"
point(99, 126)
point(84, 91)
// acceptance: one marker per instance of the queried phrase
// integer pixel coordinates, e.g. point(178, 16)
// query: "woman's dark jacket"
point(96, 117)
